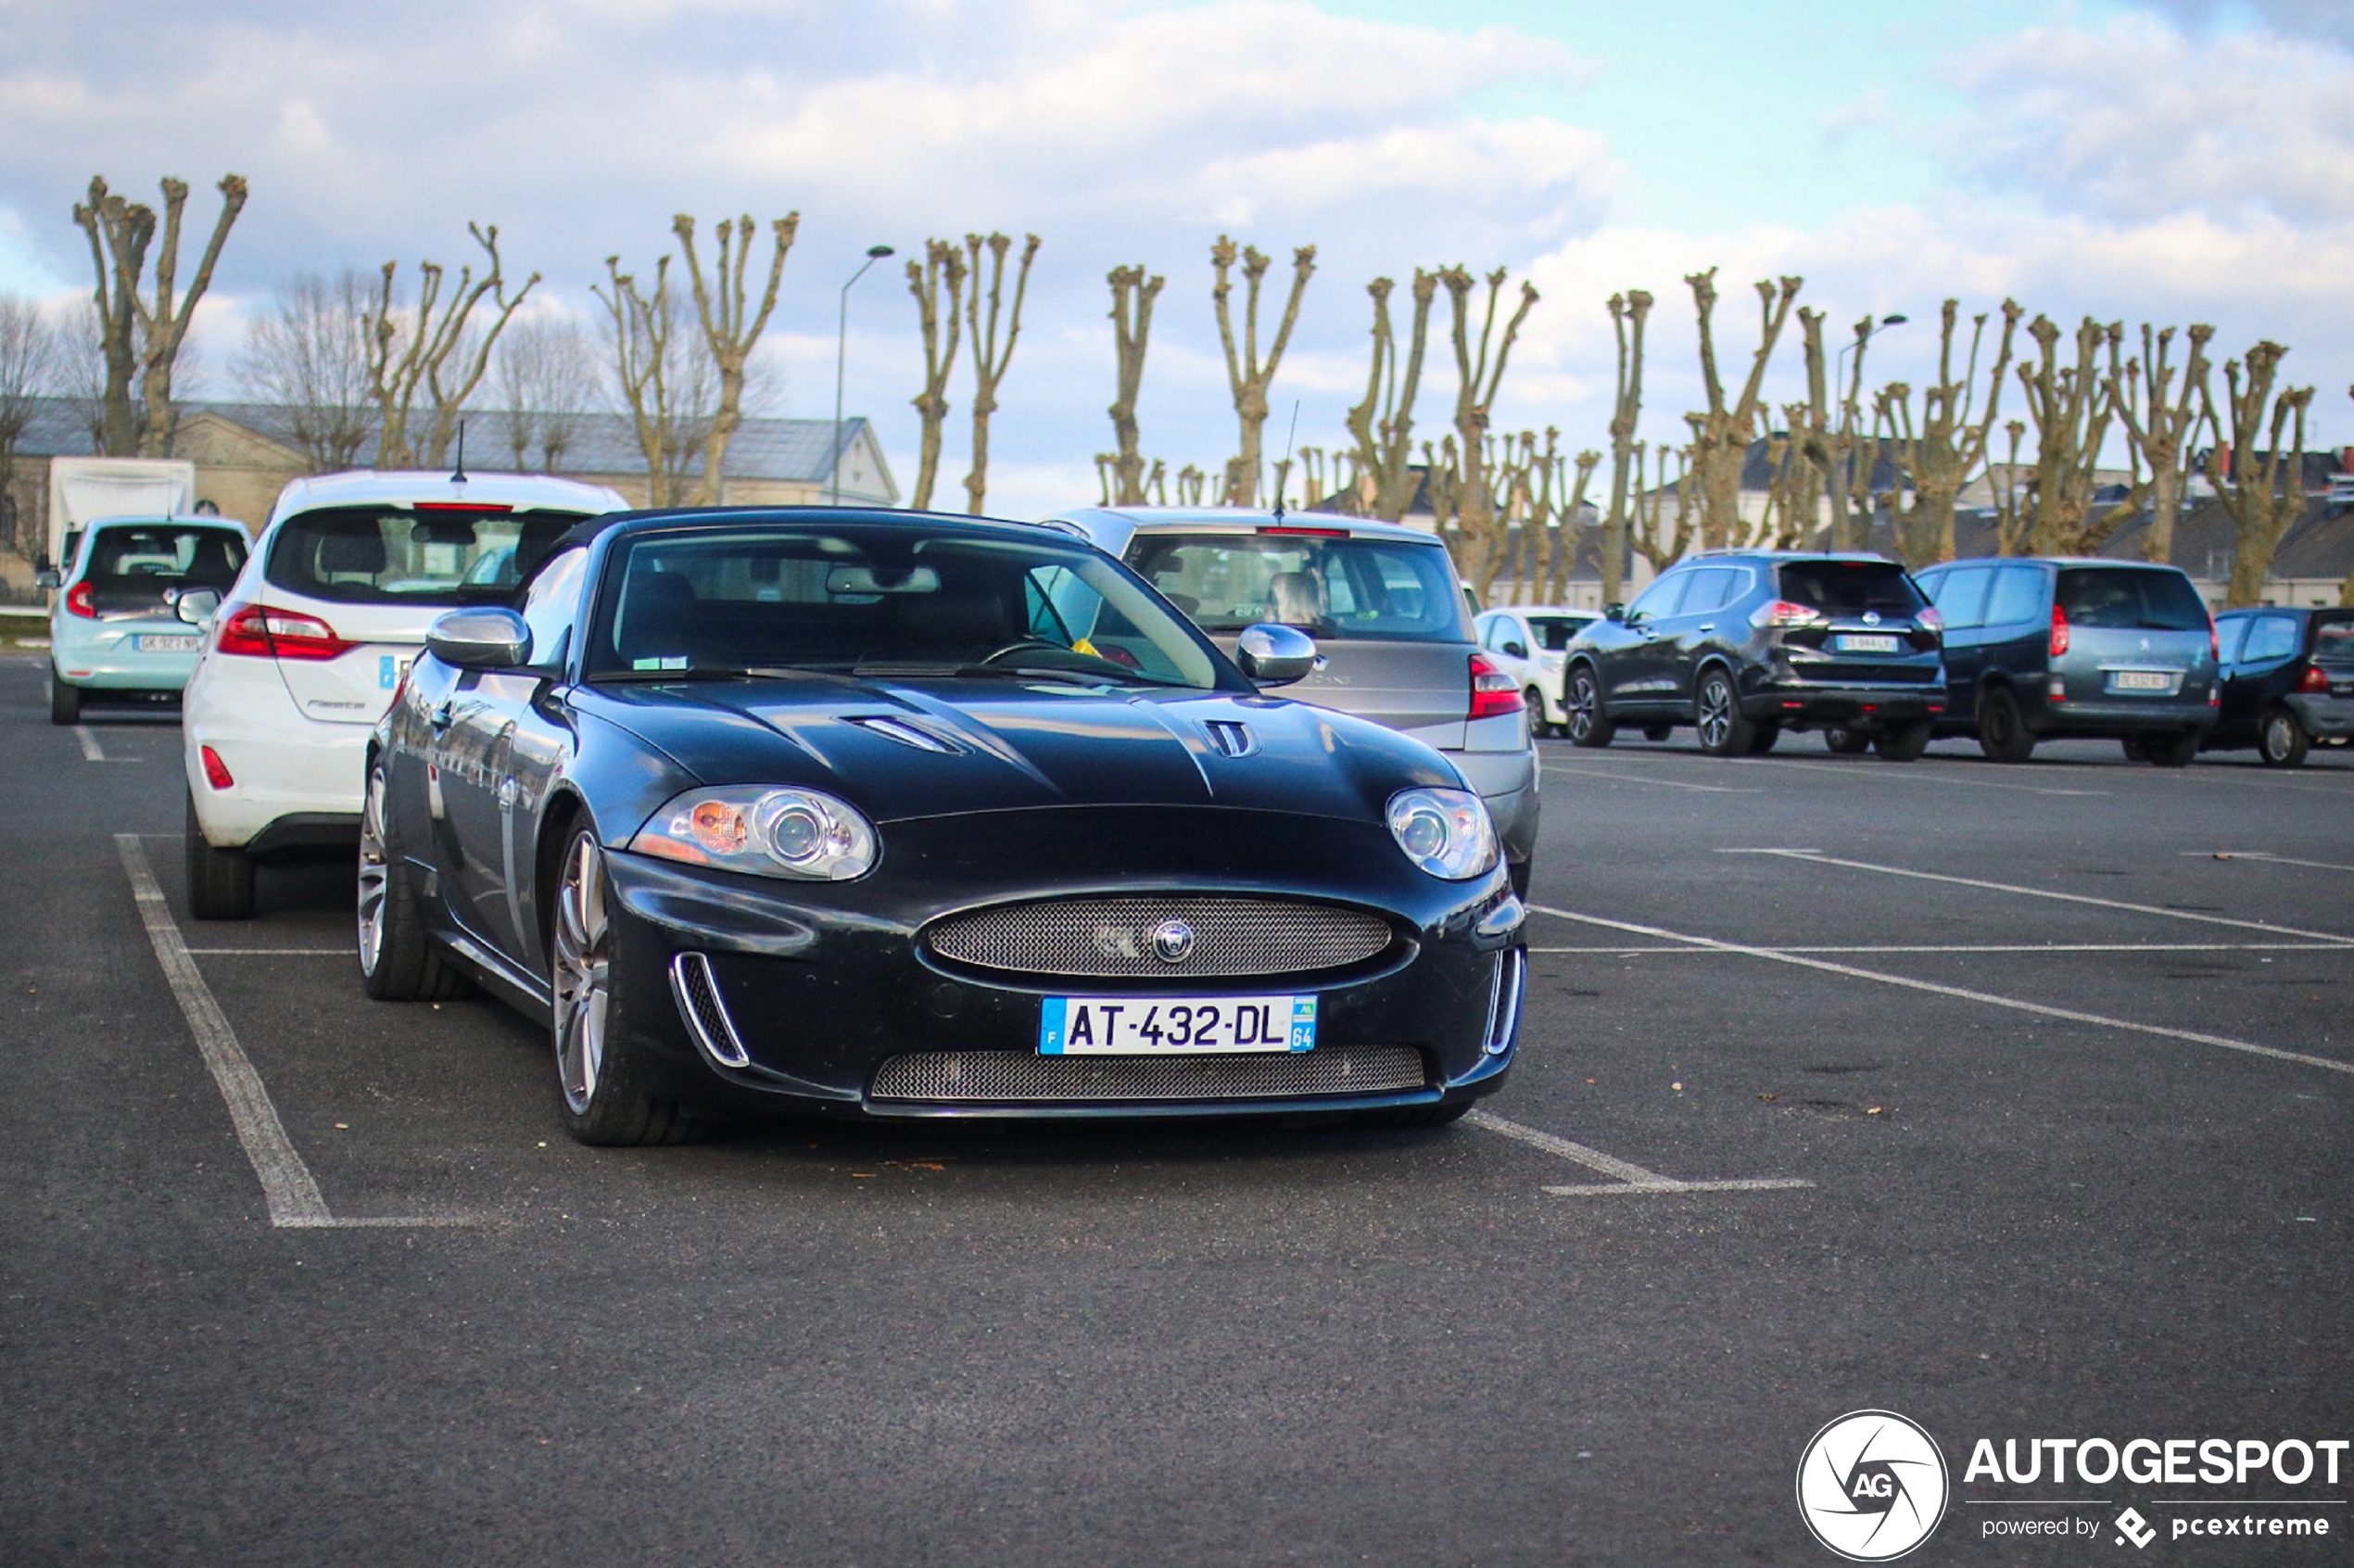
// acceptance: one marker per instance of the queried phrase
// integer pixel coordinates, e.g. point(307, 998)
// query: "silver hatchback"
point(1384, 605)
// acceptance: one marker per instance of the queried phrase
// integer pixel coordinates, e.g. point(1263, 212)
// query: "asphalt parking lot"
point(2019, 1100)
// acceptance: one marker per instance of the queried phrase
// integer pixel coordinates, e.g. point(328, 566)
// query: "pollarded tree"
point(1628, 311)
point(1943, 449)
point(140, 337)
point(1133, 293)
point(667, 387)
point(1478, 375)
point(989, 358)
point(2262, 487)
point(1382, 426)
point(309, 356)
point(2165, 435)
point(1721, 435)
point(2072, 406)
point(444, 355)
point(545, 376)
point(1247, 374)
point(1654, 537)
point(731, 328)
point(941, 271)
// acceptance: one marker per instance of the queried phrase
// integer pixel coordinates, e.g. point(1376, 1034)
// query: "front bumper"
point(823, 986)
point(1507, 782)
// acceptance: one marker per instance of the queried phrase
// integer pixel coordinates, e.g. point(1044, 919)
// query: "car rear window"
point(2334, 639)
point(1850, 588)
point(2137, 597)
point(393, 555)
point(132, 566)
point(1328, 586)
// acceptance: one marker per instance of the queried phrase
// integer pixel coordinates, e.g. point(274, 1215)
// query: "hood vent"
point(909, 733)
point(1231, 736)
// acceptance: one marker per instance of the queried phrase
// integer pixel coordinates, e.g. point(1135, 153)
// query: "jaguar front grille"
point(1177, 935)
point(1019, 1078)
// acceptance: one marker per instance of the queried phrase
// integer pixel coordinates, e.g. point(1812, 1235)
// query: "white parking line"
point(2266, 856)
point(1870, 773)
point(90, 752)
point(1818, 859)
point(1648, 783)
point(286, 1183)
point(1959, 993)
point(1631, 1178)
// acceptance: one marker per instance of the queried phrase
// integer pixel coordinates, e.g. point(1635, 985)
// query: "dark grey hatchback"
point(1744, 644)
point(2039, 649)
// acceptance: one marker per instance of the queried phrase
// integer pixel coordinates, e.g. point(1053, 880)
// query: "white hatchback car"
point(1526, 641)
point(303, 654)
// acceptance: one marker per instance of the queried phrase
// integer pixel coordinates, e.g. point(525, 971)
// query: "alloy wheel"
point(375, 874)
point(1715, 712)
point(1583, 702)
point(583, 960)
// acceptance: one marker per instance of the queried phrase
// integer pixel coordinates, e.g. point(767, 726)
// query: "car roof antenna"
point(458, 476)
point(1283, 469)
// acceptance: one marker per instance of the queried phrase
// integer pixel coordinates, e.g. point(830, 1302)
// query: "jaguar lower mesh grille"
point(1015, 1077)
point(1219, 935)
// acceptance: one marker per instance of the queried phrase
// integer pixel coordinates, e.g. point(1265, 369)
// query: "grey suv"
point(1384, 605)
point(2072, 647)
point(1744, 644)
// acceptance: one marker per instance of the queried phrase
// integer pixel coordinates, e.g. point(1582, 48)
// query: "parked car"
point(1382, 603)
point(304, 651)
point(115, 631)
point(1743, 645)
point(2038, 650)
point(903, 816)
point(1528, 642)
point(2288, 682)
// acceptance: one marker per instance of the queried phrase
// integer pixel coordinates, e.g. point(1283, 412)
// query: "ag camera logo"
point(1872, 1486)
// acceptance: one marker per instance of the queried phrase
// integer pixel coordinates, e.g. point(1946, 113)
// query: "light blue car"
point(115, 630)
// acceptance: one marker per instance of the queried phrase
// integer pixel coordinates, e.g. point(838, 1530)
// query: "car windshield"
point(132, 566)
point(886, 599)
point(1554, 631)
point(1328, 585)
point(2133, 598)
point(395, 555)
point(2334, 639)
point(1851, 588)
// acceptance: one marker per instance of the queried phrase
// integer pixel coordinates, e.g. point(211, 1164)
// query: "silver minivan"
point(1384, 605)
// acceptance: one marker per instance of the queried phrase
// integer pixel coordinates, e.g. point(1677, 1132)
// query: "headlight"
point(1446, 832)
point(766, 833)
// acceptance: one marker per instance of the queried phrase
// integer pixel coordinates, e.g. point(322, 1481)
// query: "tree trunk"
point(1133, 294)
point(989, 359)
point(1248, 377)
point(1628, 314)
point(943, 266)
point(729, 327)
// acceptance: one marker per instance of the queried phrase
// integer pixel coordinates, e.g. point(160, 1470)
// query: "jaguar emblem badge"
point(1172, 942)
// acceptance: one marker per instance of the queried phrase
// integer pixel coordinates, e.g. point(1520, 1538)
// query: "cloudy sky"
point(2169, 161)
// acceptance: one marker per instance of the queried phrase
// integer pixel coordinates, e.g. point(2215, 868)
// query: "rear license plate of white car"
point(1867, 642)
point(166, 644)
point(2141, 680)
point(1144, 1026)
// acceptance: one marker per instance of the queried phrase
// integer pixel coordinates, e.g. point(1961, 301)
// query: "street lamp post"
point(841, 349)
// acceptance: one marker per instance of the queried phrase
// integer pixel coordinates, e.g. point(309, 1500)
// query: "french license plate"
point(1867, 642)
point(2141, 680)
point(1144, 1026)
point(166, 644)
point(390, 672)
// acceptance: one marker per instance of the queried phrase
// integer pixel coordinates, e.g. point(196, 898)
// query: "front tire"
point(597, 1068)
point(1589, 726)
point(1902, 742)
point(1717, 714)
point(219, 880)
point(2003, 734)
point(2280, 740)
point(398, 962)
point(65, 701)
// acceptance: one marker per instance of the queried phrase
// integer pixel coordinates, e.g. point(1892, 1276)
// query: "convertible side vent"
point(697, 992)
point(908, 733)
point(1232, 737)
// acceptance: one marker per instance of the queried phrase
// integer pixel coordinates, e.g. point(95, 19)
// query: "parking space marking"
point(1884, 774)
point(1819, 859)
point(1959, 993)
point(1631, 1178)
point(1651, 783)
point(2266, 856)
point(287, 1185)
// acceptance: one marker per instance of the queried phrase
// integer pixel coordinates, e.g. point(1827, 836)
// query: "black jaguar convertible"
point(894, 814)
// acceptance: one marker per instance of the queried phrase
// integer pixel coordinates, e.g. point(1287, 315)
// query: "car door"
point(2262, 674)
point(1636, 674)
point(1959, 593)
point(1692, 631)
point(2016, 642)
point(2235, 712)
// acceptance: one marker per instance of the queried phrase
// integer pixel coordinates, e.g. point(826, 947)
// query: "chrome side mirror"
point(480, 640)
point(1275, 655)
point(196, 606)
